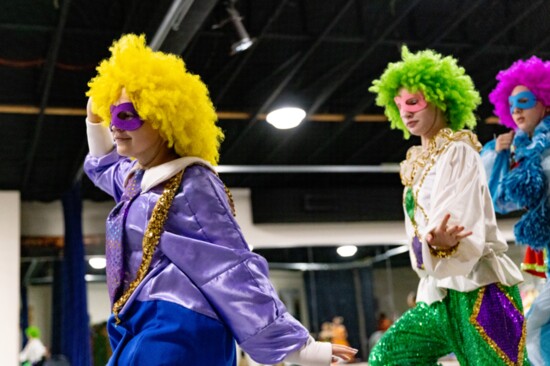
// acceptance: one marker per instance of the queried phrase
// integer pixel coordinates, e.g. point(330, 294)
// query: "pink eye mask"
point(402, 105)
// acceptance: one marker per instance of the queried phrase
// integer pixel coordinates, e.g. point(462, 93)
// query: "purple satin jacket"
point(202, 261)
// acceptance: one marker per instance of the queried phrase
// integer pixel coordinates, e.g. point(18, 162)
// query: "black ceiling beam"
point(348, 121)
point(368, 99)
point(441, 33)
point(298, 66)
point(445, 31)
point(45, 86)
point(261, 85)
point(47, 29)
point(248, 54)
point(504, 30)
point(350, 40)
point(492, 81)
point(171, 21)
point(331, 75)
point(182, 32)
point(332, 87)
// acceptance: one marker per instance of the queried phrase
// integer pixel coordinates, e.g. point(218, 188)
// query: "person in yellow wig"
point(183, 283)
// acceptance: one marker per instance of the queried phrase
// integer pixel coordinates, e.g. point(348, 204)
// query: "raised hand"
point(92, 117)
point(504, 141)
point(342, 352)
point(444, 236)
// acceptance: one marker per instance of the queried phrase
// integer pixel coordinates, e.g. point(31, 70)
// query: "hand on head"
point(444, 236)
point(92, 117)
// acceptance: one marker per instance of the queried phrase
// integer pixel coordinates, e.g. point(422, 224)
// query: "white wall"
point(47, 219)
point(10, 216)
point(99, 305)
point(39, 299)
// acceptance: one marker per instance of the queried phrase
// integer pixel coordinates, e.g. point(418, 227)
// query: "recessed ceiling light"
point(97, 262)
point(285, 118)
point(346, 250)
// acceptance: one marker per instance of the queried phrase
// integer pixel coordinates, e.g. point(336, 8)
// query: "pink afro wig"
point(533, 74)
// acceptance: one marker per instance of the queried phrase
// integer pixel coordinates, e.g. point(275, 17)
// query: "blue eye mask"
point(523, 100)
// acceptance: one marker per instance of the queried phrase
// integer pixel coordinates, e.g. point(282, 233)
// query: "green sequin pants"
point(428, 332)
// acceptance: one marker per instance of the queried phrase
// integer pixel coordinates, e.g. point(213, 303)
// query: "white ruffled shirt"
point(456, 185)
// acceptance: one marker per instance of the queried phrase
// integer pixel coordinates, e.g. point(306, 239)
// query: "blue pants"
point(158, 333)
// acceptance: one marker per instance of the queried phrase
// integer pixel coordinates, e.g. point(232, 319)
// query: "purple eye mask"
point(125, 117)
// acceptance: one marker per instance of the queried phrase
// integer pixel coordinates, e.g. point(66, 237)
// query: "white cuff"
point(100, 140)
point(311, 354)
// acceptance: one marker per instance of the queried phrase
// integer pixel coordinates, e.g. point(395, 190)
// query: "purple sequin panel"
point(114, 253)
point(417, 249)
point(501, 321)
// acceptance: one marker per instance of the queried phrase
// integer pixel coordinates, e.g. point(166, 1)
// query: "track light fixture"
point(244, 42)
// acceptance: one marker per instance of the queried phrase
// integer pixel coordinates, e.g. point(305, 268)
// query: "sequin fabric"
point(500, 323)
point(428, 332)
point(114, 251)
point(417, 249)
point(151, 239)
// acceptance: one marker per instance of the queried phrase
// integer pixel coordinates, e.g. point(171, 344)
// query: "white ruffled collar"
point(161, 173)
point(418, 156)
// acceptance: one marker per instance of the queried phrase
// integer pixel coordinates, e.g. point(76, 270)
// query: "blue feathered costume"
point(526, 185)
point(519, 180)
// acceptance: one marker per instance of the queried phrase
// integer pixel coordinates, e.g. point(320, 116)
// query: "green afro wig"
point(440, 79)
point(32, 332)
point(164, 93)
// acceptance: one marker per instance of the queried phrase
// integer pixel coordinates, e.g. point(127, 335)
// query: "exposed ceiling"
point(319, 54)
point(323, 55)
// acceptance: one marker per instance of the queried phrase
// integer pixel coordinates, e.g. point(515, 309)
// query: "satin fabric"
point(148, 335)
point(462, 192)
point(202, 262)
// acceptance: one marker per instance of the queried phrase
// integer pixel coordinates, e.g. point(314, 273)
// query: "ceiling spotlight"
point(285, 118)
point(244, 42)
point(346, 250)
point(97, 262)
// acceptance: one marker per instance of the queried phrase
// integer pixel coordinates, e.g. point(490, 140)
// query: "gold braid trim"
point(151, 238)
point(443, 252)
point(422, 160)
point(418, 157)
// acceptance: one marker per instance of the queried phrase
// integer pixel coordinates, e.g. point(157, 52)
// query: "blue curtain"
point(57, 306)
point(75, 327)
point(24, 314)
point(333, 293)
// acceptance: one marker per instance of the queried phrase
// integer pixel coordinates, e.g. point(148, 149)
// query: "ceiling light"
point(346, 250)
point(97, 262)
point(285, 118)
point(244, 42)
point(241, 45)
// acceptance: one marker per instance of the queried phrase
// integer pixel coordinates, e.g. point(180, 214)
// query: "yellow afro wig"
point(164, 93)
